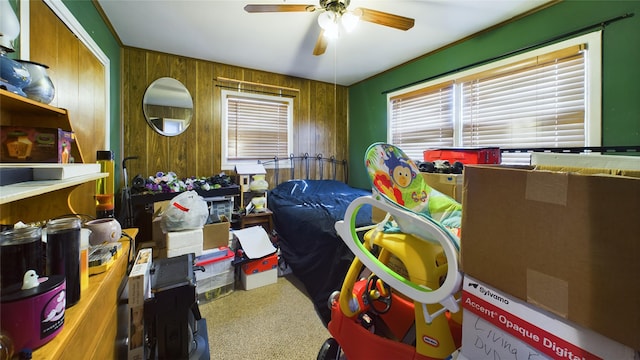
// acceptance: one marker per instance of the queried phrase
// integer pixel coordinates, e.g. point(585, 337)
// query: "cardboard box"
point(159, 207)
point(616, 165)
point(139, 285)
point(138, 289)
point(216, 235)
point(158, 236)
point(256, 280)
point(257, 246)
point(563, 241)
point(499, 326)
point(178, 239)
point(191, 249)
point(31, 144)
point(448, 184)
point(184, 242)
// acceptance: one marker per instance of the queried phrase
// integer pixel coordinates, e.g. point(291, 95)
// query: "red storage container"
point(266, 263)
point(484, 155)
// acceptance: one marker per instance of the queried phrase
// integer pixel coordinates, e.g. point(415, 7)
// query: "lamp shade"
point(9, 25)
point(349, 21)
point(328, 22)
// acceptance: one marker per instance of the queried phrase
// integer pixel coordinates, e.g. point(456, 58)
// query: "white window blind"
point(549, 97)
point(538, 105)
point(423, 117)
point(257, 127)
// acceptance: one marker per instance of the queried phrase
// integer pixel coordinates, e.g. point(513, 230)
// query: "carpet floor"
point(273, 322)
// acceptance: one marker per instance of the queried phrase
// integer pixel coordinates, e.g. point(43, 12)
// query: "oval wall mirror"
point(167, 106)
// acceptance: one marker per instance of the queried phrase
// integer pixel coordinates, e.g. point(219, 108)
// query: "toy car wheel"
point(333, 298)
point(330, 350)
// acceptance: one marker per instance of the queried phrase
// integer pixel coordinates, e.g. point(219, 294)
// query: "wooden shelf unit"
point(16, 110)
point(37, 200)
point(90, 326)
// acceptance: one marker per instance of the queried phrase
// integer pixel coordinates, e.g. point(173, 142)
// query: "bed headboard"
point(305, 167)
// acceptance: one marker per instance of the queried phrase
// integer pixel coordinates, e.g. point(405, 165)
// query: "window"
point(423, 117)
point(255, 127)
point(549, 97)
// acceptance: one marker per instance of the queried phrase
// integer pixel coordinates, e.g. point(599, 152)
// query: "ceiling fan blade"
point(386, 19)
point(321, 44)
point(261, 8)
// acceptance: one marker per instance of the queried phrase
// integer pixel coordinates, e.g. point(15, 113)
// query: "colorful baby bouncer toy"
point(400, 297)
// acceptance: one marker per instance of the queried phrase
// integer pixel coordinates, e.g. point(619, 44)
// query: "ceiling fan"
point(333, 15)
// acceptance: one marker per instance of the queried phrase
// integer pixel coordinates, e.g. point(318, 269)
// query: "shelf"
point(24, 190)
point(150, 198)
point(262, 218)
point(41, 199)
point(17, 103)
point(16, 110)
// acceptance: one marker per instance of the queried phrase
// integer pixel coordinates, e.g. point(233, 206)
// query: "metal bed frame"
point(303, 162)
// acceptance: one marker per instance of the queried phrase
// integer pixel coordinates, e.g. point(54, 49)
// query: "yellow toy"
point(408, 307)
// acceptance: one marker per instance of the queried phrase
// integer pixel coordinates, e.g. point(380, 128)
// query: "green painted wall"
point(621, 72)
point(89, 17)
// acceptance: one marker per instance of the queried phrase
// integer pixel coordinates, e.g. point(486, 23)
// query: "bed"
point(304, 215)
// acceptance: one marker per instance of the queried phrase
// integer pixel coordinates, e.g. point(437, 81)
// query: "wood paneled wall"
point(79, 80)
point(320, 115)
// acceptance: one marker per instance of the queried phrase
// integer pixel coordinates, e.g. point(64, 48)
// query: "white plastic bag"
point(187, 211)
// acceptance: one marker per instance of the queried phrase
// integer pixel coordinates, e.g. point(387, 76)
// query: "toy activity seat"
point(408, 307)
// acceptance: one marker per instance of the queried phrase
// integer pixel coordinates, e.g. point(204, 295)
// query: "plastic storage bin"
point(216, 286)
point(214, 262)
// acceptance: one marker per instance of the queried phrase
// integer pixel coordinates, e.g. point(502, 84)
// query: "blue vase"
point(41, 87)
point(13, 76)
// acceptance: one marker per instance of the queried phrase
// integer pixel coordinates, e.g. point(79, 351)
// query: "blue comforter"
point(304, 215)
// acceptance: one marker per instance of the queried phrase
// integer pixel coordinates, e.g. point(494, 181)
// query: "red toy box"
point(259, 272)
point(26, 144)
point(484, 155)
point(260, 265)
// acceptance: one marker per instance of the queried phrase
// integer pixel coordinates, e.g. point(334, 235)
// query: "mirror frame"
point(167, 99)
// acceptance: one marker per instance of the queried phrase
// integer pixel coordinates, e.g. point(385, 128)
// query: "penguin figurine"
point(30, 280)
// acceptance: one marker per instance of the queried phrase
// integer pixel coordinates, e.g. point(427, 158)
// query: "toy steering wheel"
point(377, 291)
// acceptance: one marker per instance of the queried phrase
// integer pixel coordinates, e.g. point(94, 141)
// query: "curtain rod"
point(219, 78)
point(601, 24)
point(257, 91)
point(605, 149)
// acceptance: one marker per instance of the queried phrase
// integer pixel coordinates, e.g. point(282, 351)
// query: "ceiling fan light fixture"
point(349, 21)
point(328, 22)
point(335, 18)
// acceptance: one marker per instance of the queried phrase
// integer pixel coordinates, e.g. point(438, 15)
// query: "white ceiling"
point(221, 31)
